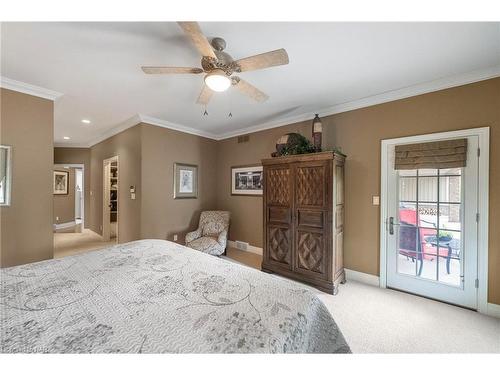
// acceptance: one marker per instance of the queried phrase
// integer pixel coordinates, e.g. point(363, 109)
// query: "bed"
point(154, 296)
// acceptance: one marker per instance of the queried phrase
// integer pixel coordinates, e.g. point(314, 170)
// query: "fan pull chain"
point(230, 115)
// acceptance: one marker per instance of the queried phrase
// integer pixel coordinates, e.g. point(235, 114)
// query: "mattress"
point(154, 296)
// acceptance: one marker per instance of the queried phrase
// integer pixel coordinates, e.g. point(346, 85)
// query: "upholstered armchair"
point(211, 235)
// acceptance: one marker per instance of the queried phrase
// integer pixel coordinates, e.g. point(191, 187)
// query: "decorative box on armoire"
point(304, 218)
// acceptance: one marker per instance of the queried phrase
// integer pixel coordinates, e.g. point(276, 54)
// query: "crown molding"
point(389, 96)
point(173, 126)
point(26, 88)
point(129, 123)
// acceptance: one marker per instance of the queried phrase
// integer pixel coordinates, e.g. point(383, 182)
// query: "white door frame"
point(82, 167)
point(483, 192)
point(106, 224)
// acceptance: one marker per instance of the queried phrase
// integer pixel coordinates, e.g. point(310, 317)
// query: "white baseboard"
point(69, 224)
point(362, 277)
point(493, 310)
point(250, 248)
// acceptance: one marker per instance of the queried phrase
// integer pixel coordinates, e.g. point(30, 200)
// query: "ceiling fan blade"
point(249, 90)
point(205, 95)
point(264, 60)
point(170, 70)
point(192, 29)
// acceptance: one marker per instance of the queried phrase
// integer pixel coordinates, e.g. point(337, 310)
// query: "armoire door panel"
point(279, 245)
point(278, 186)
point(309, 218)
point(310, 252)
point(279, 215)
point(311, 185)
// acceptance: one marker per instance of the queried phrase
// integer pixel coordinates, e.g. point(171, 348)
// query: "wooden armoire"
point(304, 218)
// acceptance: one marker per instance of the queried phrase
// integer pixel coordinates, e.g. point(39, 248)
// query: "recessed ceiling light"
point(85, 121)
point(66, 138)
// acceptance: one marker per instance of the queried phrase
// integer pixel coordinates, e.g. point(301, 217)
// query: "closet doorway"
point(110, 199)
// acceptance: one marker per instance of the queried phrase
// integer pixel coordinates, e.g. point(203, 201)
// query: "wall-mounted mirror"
point(5, 175)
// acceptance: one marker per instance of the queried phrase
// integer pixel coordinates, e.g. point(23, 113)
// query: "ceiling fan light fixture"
point(218, 80)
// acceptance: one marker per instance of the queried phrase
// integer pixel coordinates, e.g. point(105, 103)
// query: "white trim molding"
point(66, 225)
point(174, 126)
point(26, 88)
point(250, 248)
point(493, 310)
point(483, 134)
point(361, 277)
point(388, 96)
point(129, 123)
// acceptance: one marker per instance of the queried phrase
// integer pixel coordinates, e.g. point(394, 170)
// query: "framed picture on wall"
point(246, 180)
point(5, 175)
point(185, 181)
point(61, 180)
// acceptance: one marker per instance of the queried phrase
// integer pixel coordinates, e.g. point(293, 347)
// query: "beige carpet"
point(375, 320)
point(74, 243)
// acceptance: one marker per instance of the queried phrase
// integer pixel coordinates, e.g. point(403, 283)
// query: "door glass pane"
point(430, 231)
point(408, 173)
point(429, 268)
point(427, 189)
point(450, 189)
point(450, 172)
point(449, 271)
point(427, 172)
point(428, 216)
point(408, 189)
point(450, 217)
point(407, 213)
point(408, 251)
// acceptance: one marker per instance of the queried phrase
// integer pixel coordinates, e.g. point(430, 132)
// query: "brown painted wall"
point(64, 205)
point(27, 124)
point(127, 146)
point(146, 157)
point(359, 134)
point(68, 155)
point(161, 214)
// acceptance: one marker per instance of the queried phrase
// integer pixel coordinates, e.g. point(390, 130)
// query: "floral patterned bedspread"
point(154, 296)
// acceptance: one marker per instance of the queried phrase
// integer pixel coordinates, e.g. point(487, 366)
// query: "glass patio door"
point(432, 230)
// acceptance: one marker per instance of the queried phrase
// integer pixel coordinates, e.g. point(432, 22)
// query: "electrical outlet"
point(376, 200)
point(175, 237)
point(57, 218)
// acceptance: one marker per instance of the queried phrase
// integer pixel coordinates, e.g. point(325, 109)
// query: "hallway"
point(75, 243)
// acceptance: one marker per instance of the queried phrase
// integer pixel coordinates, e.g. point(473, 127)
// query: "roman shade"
point(432, 155)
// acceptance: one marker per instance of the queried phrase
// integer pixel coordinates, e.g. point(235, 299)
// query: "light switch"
point(376, 200)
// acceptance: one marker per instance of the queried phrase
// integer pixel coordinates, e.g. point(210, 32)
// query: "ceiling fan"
point(219, 66)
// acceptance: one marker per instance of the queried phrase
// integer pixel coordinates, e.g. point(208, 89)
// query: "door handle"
point(391, 225)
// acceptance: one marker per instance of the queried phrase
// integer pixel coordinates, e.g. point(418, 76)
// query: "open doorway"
point(69, 211)
point(110, 199)
point(70, 235)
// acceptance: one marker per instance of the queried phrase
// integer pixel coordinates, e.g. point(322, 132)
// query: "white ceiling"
point(96, 66)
